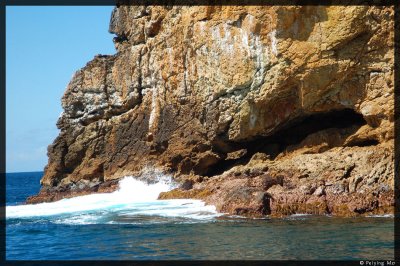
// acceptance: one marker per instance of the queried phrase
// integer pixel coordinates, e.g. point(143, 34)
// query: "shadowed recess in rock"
point(293, 133)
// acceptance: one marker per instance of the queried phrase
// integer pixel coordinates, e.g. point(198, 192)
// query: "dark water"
point(21, 185)
point(153, 237)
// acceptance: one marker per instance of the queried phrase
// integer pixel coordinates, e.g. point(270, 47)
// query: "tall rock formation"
point(258, 110)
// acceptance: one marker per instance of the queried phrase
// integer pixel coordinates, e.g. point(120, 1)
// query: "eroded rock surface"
point(267, 110)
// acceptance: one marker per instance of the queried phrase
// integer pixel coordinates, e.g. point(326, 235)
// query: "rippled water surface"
point(131, 224)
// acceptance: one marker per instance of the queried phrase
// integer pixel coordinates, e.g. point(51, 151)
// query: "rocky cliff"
point(258, 110)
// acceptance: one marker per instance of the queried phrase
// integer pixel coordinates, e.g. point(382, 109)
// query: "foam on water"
point(300, 214)
point(380, 216)
point(133, 199)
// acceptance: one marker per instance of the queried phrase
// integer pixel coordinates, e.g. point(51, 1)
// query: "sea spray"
point(134, 190)
point(134, 198)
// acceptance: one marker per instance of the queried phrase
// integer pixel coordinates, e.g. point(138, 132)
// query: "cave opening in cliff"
point(364, 143)
point(347, 121)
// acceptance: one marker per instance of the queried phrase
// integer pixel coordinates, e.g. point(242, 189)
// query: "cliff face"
point(262, 110)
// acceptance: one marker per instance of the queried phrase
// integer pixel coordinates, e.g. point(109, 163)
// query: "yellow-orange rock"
point(190, 87)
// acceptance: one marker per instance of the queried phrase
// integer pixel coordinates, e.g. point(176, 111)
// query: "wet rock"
point(187, 184)
point(269, 181)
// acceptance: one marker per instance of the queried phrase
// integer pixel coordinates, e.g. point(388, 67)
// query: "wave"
point(134, 202)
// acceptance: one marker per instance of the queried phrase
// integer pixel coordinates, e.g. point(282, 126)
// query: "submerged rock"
point(262, 104)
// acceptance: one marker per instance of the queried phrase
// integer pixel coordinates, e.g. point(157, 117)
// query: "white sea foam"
point(300, 214)
point(133, 199)
point(381, 216)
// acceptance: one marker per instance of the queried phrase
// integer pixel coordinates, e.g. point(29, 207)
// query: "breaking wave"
point(134, 202)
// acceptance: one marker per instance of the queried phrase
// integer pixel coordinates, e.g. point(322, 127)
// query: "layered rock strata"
point(258, 110)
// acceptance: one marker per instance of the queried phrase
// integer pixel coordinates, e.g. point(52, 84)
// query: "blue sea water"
point(131, 225)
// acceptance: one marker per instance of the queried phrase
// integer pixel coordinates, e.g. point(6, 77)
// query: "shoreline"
point(327, 208)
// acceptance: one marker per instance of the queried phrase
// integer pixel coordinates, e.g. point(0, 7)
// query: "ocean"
point(130, 224)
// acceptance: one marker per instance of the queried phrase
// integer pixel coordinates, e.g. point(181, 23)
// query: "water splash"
point(133, 200)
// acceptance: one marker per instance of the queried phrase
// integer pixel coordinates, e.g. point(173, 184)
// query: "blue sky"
point(44, 47)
